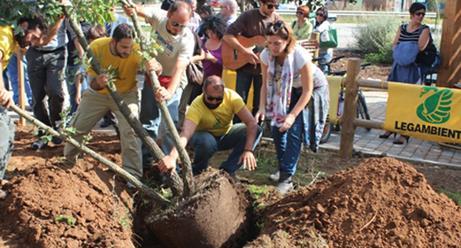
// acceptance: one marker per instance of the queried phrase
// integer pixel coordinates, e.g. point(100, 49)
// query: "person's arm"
point(424, 39)
point(247, 157)
point(141, 12)
point(164, 94)
point(52, 32)
point(261, 114)
point(168, 162)
point(230, 37)
point(6, 97)
point(307, 83)
point(199, 57)
point(232, 41)
point(396, 38)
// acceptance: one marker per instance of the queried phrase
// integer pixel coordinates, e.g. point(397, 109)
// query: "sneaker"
point(69, 161)
point(284, 187)
point(39, 144)
point(56, 140)
point(275, 177)
point(2, 195)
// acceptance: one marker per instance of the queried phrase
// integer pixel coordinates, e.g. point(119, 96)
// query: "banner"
point(424, 112)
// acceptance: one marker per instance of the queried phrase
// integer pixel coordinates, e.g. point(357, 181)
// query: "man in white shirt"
point(176, 40)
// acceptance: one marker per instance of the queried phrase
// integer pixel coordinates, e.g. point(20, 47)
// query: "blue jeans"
point(6, 140)
point(288, 144)
point(151, 118)
point(205, 145)
point(324, 58)
point(243, 84)
point(12, 70)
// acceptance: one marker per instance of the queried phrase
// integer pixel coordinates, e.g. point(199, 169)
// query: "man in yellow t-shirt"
point(7, 46)
point(208, 128)
point(118, 53)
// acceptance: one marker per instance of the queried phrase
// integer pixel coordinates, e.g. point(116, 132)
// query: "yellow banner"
point(429, 113)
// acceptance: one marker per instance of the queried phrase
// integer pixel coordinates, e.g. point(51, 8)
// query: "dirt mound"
point(218, 215)
point(51, 205)
point(380, 203)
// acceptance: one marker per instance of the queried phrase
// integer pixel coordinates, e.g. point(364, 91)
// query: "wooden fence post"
point(350, 109)
point(21, 89)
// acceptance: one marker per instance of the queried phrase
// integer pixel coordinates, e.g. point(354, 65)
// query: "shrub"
point(375, 39)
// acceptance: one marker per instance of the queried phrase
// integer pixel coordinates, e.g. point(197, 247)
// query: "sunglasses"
point(271, 6)
point(319, 14)
point(212, 98)
point(420, 14)
point(178, 25)
point(299, 13)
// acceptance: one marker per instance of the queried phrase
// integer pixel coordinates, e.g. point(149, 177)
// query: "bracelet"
point(248, 150)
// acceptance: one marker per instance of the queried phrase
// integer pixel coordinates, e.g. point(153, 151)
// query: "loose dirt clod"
point(380, 203)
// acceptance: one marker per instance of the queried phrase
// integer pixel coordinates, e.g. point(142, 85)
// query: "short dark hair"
point(213, 80)
point(416, 6)
point(214, 24)
point(32, 23)
point(123, 31)
point(324, 11)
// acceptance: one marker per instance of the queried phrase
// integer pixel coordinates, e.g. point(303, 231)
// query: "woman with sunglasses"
point(410, 41)
point(322, 25)
point(302, 28)
point(287, 87)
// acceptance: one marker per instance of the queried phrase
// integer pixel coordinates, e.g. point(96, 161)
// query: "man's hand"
point(129, 11)
point(100, 82)
point(287, 123)
point(162, 94)
point(248, 160)
point(6, 98)
point(254, 59)
point(167, 164)
point(153, 65)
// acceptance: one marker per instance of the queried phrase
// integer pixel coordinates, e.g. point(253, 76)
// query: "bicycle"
point(362, 108)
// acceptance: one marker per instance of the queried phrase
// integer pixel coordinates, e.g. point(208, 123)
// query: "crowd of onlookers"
point(288, 87)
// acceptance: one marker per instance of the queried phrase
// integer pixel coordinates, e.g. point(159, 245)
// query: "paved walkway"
point(417, 150)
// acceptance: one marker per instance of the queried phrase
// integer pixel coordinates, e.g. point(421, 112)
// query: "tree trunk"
point(186, 172)
point(176, 183)
point(114, 167)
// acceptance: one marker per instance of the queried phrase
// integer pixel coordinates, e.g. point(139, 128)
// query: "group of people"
point(290, 90)
point(283, 71)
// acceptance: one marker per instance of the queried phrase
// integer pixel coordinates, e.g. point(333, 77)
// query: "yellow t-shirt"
point(216, 121)
point(126, 67)
point(7, 44)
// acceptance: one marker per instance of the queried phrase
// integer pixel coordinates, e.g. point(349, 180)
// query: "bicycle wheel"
point(362, 109)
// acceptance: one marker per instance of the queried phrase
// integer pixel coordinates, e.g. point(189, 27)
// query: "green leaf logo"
point(437, 105)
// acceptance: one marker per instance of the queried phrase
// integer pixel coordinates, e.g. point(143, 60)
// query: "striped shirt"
point(413, 36)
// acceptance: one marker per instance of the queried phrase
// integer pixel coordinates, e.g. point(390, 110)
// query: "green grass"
point(455, 196)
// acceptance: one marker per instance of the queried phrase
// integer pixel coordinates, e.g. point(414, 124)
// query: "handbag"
point(329, 38)
point(428, 56)
point(194, 72)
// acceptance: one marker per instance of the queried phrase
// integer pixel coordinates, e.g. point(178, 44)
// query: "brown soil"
point(217, 216)
point(380, 203)
point(44, 196)
point(379, 72)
